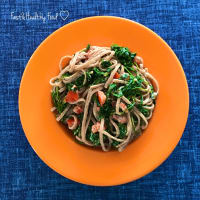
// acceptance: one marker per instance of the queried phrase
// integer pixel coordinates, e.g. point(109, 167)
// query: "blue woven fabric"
point(22, 174)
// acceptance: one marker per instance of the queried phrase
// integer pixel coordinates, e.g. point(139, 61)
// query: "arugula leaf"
point(57, 100)
point(111, 88)
point(124, 76)
point(123, 130)
point(130, 106)
point(141, 100)
point(153, 94)
point(131, 88)
point(131, 75)
point(106, 110)
point(88, 76)
point(106, 63)
point(70, 87)
point(94, 138)
point(98, 76)
point(98, 72)
point(95, 99)
point(135, 120)
point(109, 69)
point(79, 81)
point(144, 111)
point(115, 143)
point(139, 80)
point(118, 93)
point(124, 56)
point(66, 74)
point(77, 130)
point(93, 76)
point(87, 48)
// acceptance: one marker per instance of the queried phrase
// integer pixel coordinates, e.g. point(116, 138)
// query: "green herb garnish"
point(87, 48)
point(57, 100)
point(143, 110)
point(77, 130)
point(106, 110)
point(123, 130)
point(94, 138)
point(106, 64)
point(124, 56)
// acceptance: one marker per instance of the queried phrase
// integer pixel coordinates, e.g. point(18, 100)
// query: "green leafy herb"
point(106, 110)
point(77, 130)
point(130, 74)
point(57, 100)
point(130, 106)
point(118, 93)
point(109, 69)
point(98, 76)
point(66, 74)
point(89, 76)
point(95, 99)
point(124, 76)
point(124, 56)
point(87, 48)
point(111, 88)
point(143, 110)
point(115, 143)
point(70, 87)
point(94, 138)
point(106, 64)
point(139, 80)
point(123, 130)
point(98, 72)
point(132, 88)
point(79, 81)
point(153, 94)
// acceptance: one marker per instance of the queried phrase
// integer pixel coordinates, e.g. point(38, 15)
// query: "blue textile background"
point(22, 174)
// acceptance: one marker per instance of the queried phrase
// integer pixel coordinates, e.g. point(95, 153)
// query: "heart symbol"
point(64, 14)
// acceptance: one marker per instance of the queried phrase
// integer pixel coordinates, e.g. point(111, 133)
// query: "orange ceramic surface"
point(58, 149)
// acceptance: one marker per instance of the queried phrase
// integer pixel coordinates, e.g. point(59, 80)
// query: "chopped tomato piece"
point(70, 122)
point(78, 110)
point(71, 97)
point(123, 106)
point(117, 75)
point(121, 119)
point(101, 97)
point(96, 127)
point(64, 62)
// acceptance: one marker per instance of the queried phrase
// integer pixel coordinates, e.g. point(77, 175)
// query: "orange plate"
point(77, 162)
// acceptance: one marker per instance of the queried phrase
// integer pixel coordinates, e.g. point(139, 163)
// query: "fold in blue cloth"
point(23, 26)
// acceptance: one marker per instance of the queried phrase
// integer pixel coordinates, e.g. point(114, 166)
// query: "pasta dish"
point(104, 95)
